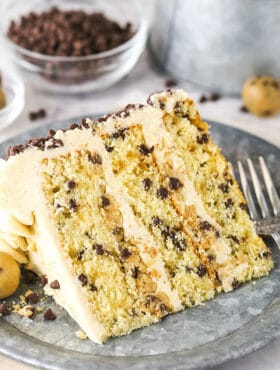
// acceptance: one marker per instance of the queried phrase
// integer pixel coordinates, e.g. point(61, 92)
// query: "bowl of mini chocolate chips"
point(74, 46)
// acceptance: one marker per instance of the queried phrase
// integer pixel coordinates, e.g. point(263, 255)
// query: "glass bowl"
point(14, 94)
point(77, 74)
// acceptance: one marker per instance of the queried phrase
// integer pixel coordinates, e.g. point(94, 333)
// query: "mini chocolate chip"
point(55, 284)
point(32, 298)
point(203, 99)
point(109, 148)
point(205, 226)
point(217, 234)
point(177, 108)
point(143, 149)
point(30, 277)
point(161, 105)
point(243, 109)
point(170, 83)
point(234, 238)
point(188, 269)
point(235, 283)
point(93, 288)
point(229, 203)
point(125, 253)
point(83, 279)
point(105, 202)
point(44, 280)
point(202, 139)
point(174, 183)
point(147, 183)
point(224, 188)
point(157, 221)
point(135, 272)
point(275, 84)
point(99, 249)
point(214, 97)
point(265, 254)
point(83, 123)
point(162, 193)
point(49, 315)
point(73, 204)
point(201, 270)
point(4, 310)
point(96, 158)
point(211, 257)
point(80, 255)
point(118, 230)
point(71, 184)
point(242, 206)
point(51, 132)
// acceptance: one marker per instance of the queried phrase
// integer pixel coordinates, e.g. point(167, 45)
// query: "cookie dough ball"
point(261, 95)
point(9, 275)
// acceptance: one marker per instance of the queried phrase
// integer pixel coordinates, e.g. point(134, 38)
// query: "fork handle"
point(276, 238)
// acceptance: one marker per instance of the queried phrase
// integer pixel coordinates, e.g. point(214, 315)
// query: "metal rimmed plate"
point(227, 327)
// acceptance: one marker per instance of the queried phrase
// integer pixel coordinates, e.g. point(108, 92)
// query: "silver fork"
point(268, 224)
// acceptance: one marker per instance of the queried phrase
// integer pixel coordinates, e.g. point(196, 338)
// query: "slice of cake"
point(131, 217)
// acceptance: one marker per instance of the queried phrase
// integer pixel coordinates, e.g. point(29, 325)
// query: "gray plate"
point(227, 327)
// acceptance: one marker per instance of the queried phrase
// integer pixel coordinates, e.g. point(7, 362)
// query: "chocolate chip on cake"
point(224, 187)
point(174, 183)
point(162, 193)
point(73, 204)
point(202, 139)
point(125, 253)
point(229, 203)
point(242, 206)
point(105, 202)
point(96, 159)
point(32, 298)
point(157, 221)
point(235, 283)
point(55, 284)
point(109, 148)
point(99, 249)
point(147, 183)
point(71, 184)
point(93, 288)
point(83, 279)
point(143, 149)
point(205, 226)
point(49, 315)
point(135, 272)
point(201, 270)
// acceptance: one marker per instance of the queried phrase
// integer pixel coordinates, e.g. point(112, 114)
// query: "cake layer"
point(87, 238)
point(212, 179)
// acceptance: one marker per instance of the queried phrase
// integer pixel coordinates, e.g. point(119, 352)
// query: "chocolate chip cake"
point(130, 217)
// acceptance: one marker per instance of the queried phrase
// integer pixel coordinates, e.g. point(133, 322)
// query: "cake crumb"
point(26, 311)
point(81, 335)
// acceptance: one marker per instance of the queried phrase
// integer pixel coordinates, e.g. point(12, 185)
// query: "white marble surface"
point(143, 80)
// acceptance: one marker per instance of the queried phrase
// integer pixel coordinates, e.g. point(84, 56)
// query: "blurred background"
point(210, 51)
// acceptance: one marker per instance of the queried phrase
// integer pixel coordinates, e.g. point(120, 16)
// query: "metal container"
point(217, 44)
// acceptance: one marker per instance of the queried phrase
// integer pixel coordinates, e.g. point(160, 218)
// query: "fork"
point(268, 224)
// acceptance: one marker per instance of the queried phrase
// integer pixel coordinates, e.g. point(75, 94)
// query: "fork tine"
point(247, 191)
point(258, 190)
point(272, 193)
